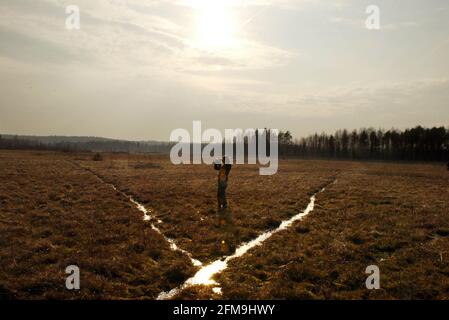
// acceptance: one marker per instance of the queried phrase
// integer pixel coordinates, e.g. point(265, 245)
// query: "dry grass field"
point(60, 209)
point(54, 214)
point(390, 215)
point(184, 197)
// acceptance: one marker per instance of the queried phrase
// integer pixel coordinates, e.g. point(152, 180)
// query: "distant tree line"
point(416, 144)
point(16, 143)
point(421, 144)
point(94, 145)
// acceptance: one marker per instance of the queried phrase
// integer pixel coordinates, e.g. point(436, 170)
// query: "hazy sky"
point(137, 69)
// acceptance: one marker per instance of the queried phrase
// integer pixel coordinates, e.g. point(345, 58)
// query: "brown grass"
point(394, 216)
point(55, 212)
point(184, 197)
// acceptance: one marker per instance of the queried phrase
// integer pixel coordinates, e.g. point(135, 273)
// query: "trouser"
point(221, 194)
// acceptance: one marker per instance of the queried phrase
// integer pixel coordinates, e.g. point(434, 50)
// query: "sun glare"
point(215, 25)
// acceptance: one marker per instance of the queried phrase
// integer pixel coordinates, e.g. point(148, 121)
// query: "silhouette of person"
point(223, 167)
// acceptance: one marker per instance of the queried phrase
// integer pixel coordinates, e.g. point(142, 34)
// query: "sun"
point(215, 26)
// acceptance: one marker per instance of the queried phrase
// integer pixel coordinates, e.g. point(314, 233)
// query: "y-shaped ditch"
point(205, 275)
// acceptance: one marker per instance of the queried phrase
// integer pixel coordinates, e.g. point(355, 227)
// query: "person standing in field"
point(223, 167)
